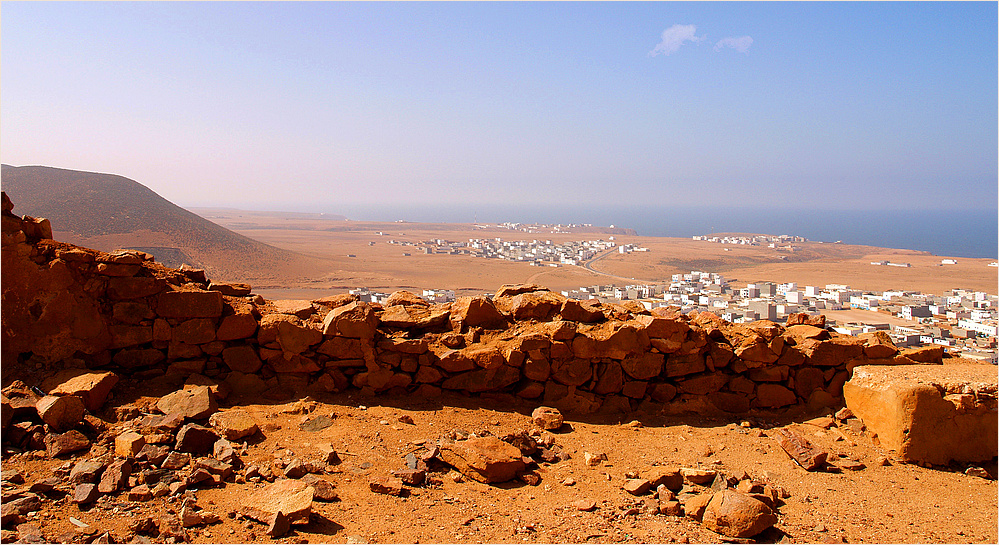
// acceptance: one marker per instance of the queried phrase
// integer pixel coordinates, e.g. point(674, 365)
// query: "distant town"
point(964, 322)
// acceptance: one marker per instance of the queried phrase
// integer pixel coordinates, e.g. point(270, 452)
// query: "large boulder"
point(197, 402)
point(484, 459)
point(91, 386)
point(738, 515)
point(928, 413)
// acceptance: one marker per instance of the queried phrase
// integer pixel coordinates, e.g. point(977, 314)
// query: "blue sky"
point(301, 105)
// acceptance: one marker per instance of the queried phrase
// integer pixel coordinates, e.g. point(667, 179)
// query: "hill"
point(107, 212)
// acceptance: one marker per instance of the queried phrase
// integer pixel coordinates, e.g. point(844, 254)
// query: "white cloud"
point(740, 43)
point(674, 37)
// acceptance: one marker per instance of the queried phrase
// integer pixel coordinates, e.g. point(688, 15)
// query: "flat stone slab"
point(929, 413)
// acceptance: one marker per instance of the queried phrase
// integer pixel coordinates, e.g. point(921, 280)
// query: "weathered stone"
point(189, 304)
point(475, 312)
point(538, 305)
point(294, 307)
point(800, 449)
point(60, 412)
point(125, 336)
point(232, 289)
point(391, 486)
point(146, 357)
point(703, 384)
point(278, 525)
point(237, 326)
point(738, 515)
point(60, 444)
point(196, 403)
point(644, 366)
point(637, 487)
point(485, 459)
point(572, 372)
point(587, 311)
point(85, 471)
point(924, 354)
point(584, 505)
point(774, 395)
point(698, 476)
point(85, 493)
point(115, 477)
point(323, 490)
point(128, 444)
point(483, 379)
point(140, 493)
point(245, 384)
point(547, 418)
point(670, 477)
point(818, 320)
point(92, 387)
point(694, 507)
point(193, 438)
point(355, 320)
point(234, 424)
point(678, 365)
point(14, 510)
point(928, 413)
point(291, 497)
point(176, 460)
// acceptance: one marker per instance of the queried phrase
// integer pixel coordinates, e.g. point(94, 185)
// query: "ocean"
point(952, 233)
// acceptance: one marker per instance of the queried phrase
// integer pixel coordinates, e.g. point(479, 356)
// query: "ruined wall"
point(124, 312)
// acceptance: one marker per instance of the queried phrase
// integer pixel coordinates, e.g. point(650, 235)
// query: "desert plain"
point(381, 266)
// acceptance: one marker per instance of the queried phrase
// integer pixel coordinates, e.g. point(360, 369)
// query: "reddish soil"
point(895, 503)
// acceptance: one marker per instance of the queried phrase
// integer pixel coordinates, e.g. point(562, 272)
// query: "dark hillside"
point(106, 212)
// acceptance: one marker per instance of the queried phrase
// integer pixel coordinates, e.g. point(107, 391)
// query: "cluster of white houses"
point(779, 242)
point(963, 321)
point(535, 252)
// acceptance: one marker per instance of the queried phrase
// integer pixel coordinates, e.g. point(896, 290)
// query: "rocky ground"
point(591, 480)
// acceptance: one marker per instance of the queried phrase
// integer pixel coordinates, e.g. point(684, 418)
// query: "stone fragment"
point(45, 485)
point(584, 505)
point(738, 515)
point(140, 493)
point(323, 490)
point(928, 413)
point(485, 459)
point(593, 460)
point(294, 498)
point(410, 476)
point(60, 412)
point(800, 449)
point(85, 493)
point(193, 438)
point(60, 444)
point(694, 507)
point(195, 403)
point(189, 304)
point(128, 444)
point(92, 387)
point(85, 471)
point(355, 320)
point(232, 289)
point(671, 508)
point(391, 486)
point(548, 418)
point(637, 487)
point(698, 476)
point(670, 477)
point(115, 477)
point(278, 525)
point(176, 460)
point(15, 510)
point(234, 424)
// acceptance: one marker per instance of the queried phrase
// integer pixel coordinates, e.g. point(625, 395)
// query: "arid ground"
point(382, 266)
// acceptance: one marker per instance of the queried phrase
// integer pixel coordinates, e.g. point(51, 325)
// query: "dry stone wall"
point(123, 312)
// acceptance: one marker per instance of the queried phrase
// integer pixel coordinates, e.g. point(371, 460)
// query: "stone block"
point(190, 304)
point(928, 413)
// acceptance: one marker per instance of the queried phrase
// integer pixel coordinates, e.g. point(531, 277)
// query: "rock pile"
point(122, 312)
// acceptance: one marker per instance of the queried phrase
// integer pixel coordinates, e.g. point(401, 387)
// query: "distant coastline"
point(956, 233)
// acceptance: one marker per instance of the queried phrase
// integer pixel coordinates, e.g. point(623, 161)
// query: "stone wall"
point(124, 312)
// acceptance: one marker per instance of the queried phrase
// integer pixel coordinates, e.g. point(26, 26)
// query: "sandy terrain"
point(382, 266)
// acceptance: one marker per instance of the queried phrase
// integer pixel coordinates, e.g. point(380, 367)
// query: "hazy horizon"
point(838, 106)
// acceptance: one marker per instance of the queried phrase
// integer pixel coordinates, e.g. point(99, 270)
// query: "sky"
point(314, 106)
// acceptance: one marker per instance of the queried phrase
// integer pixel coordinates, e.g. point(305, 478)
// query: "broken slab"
point(928, 413)
point(288, 496)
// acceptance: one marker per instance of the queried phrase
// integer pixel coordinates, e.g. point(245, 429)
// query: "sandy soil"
point(896, 503)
